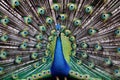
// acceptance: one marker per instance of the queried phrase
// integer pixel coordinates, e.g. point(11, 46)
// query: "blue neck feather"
point(59, 66)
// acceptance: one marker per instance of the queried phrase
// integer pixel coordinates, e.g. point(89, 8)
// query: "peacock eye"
point(72, 38)
point(49, 20)
point(53, 32)
point(84, 45)
point(51, 38)
point(4, 38)
point(4, 53)
point(18, 60)
point(41, 11)
point(48, 71)
point(47, 52)
point(92, 31)
point(14, 76)
point(38, 45)
point(29, 20)
point(89, 9)
point(76, 74)
point(42, 28)
point(29, 79)
point(24, 33)
point(118, 50)
point(74, 46)
point(23, 45)
point(71, 6)
point(67, 32)
point(77, 22)
point(34, 55)
point(62, 17)
point(116, 71)
point(56, 7)
point(44, 72)
point(39, 37)
point(117, 32)
point(15, 3)
point(105, 16)
point(5, 21)
point(106, 59)
point(108, 62)
point(71, 72)
point(96, 46)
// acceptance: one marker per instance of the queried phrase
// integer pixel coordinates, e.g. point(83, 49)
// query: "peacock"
point(59, 39)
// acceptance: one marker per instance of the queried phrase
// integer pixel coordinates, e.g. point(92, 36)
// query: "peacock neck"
point(59, 66)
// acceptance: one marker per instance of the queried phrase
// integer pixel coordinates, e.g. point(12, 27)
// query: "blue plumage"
point(59, 65)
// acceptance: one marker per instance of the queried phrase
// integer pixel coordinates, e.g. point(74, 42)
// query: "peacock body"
point(59, 40)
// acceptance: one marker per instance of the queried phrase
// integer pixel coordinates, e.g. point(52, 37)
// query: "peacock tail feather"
point(59, 40)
